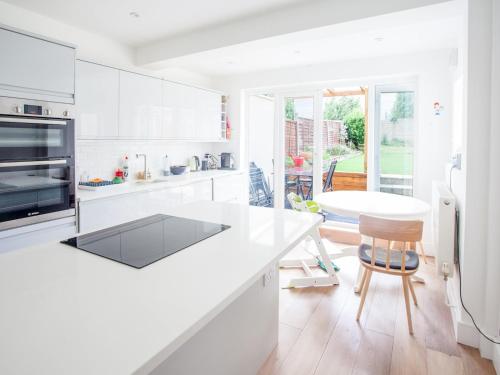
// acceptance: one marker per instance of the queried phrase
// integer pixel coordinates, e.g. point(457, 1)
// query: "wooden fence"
point(349, 181)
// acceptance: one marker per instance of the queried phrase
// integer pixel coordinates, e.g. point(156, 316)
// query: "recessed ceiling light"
point(134, 14)
point(378, 39)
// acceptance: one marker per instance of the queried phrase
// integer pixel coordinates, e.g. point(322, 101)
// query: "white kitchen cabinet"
point(140, 112)
point(32, 67)
point(115, 104)
point(232, 188)
point(190, 113)
point(208, 114)
point(106, 212)
point(197, 191)
point(187, 112)
point(171, 110)
point(96, 97)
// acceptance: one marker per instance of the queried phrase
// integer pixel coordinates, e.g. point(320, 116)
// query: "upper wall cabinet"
point(208, 114)
point(97, 93)
point(115, 104)
point(140, 106)
point(35, 68)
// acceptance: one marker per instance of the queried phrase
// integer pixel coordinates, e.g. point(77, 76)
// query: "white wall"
point(476, 185)
point(432, 73)
point(101, 158)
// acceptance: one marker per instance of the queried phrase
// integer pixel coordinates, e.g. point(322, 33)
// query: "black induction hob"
point(145, 241)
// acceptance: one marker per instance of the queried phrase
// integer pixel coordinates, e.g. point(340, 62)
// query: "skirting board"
point(496, 359)
point(465, 332)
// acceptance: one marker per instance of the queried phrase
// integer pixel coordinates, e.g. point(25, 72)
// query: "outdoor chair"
point(327, 186)
point(260, 193)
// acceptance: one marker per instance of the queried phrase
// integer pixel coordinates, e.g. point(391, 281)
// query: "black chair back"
point(260, 193)
point(328, 186)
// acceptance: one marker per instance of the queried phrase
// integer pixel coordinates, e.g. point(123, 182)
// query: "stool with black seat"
point(397, 262)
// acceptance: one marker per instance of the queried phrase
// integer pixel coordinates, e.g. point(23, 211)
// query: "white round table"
point(391, 206)
point(354, 203)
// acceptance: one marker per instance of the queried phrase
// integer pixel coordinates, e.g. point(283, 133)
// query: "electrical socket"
point(267, 277)
point(456, 161)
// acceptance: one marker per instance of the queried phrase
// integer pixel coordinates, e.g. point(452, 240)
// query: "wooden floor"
point(319, 334)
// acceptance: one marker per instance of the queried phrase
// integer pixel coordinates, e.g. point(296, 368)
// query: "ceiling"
point(411, 31)
point(157, 18)
point(394, 34)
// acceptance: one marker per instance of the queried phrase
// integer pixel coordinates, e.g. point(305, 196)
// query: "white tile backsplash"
point(100, 158)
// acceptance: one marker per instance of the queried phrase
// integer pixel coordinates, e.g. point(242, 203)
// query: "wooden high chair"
point(398, 262)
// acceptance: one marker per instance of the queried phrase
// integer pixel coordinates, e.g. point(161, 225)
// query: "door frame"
point(279, 141)
point(374, 181)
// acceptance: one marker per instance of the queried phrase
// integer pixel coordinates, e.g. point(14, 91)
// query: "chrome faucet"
point(146, 175)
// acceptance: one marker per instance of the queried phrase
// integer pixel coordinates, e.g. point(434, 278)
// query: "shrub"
point(338, 150)
point(355, 127)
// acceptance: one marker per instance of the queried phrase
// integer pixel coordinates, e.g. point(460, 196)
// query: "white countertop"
point(68, 311)
point(162, 183)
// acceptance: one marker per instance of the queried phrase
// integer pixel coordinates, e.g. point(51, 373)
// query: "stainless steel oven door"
point(29, 138)
point(35, 191)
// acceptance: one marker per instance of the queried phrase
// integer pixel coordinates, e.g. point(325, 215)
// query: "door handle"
point(32, 121)
point(32, 163)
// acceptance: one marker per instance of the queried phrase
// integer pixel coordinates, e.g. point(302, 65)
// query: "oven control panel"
point(22, 107)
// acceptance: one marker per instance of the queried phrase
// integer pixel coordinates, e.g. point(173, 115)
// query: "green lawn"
point(394, 160)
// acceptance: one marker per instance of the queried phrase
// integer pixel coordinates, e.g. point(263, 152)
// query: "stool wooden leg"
point(410, 284)
point(364, 291)
point(407, 303)
point(422, 251)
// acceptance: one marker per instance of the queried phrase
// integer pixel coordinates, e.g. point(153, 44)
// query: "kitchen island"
point(209, 309)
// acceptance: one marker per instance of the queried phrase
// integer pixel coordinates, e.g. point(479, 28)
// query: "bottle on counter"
point(166, 166)
point(125, 168)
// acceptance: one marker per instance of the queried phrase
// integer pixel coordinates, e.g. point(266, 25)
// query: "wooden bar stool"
point(399, 262)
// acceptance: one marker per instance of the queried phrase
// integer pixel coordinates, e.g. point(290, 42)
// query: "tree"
point(402, 107)
point(290, 110)
point(340, 107)
point(355, 127)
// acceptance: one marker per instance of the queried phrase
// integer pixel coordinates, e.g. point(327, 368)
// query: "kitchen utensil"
point(226, 160)
point(204, 165)
point(178, 169)
point(194, 163)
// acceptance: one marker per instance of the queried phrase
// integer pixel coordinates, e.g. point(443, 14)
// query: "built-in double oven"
point(37, 162)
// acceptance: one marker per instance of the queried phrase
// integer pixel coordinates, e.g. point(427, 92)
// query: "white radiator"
point(443, 219)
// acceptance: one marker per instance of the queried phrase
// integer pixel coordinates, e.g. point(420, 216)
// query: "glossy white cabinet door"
point(214, 113)
point(187, 112)
point(33, 68)
point(207, 114)
point(140, 106)
point(233, 188)
point(197, 191)
point(104, 213)
point(97, 91)
point(171, 110)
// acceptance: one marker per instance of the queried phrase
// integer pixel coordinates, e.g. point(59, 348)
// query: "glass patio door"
point(298, 147)
point(394, 139)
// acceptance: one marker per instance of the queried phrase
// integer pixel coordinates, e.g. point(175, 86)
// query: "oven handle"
point(32, 121)
point(32, 163)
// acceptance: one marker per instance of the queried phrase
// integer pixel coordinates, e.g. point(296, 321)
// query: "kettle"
point(194, 163)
